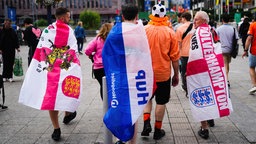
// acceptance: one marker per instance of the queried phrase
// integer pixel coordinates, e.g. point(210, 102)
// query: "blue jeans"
point(80, 44)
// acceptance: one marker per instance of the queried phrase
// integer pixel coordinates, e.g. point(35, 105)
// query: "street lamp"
point(48, 4)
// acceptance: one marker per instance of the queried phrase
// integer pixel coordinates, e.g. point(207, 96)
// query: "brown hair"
point(61, 11)
point(104, 30)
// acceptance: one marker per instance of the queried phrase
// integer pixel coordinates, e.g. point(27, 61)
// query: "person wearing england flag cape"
point(53, 80)
point(129, 75)
point(206, 78)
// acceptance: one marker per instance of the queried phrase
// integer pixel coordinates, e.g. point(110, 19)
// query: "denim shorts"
point(252, 61)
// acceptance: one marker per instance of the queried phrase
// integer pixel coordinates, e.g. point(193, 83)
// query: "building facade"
point(108, 9)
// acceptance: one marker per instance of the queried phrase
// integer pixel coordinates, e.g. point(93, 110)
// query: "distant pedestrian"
point(94, 51)
point(80, 36)
point(9, 43)
point(31, 36)
point(178, 23)
point(213, 24)
point(250, 46)
point(244, 30)
point(226, 33)
point(53, 80)
point(183, 34)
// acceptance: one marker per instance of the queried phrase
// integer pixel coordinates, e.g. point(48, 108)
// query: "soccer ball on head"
point(159, 10)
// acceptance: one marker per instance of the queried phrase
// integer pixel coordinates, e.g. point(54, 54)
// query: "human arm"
point(175, 56)
point(247, 45)
point(175, 78)
point(91, 47)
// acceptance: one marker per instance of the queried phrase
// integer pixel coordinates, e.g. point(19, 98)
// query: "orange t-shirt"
point(164, 49)
point(252, 31)
point(185, 43)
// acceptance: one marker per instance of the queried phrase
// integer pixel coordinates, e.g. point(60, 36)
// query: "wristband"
point(246, 50)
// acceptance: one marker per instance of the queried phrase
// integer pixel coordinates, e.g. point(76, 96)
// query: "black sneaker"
point(56, 134)
point(158, 134)
point(211, 123)
point(146, 128)
point(69, 118)
point(203, 133)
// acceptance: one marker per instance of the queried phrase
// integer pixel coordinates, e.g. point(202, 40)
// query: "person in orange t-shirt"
point(165, 53)
point(251, 41)
point(183, 35)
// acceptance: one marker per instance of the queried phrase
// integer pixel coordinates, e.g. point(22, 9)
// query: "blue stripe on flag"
point(118, 117)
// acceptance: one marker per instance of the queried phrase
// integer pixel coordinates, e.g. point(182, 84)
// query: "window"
point(92, 2)
point(28, 4)
point(70, 4)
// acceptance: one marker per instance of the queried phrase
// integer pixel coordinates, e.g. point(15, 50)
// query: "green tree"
point(90, 19)
point(41, 22)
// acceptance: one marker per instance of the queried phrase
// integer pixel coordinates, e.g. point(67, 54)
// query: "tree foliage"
point(41, 22)
point(90, 19)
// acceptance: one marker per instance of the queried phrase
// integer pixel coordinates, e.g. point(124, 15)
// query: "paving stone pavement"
point(20, 124)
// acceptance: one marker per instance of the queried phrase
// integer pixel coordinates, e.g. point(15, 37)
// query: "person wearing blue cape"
point(129, 75)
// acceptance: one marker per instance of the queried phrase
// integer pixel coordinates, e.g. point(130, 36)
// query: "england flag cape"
point(206, 77)
point(129, 74)
point(53, 80)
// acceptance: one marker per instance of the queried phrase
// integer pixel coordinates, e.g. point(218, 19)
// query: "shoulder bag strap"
point(188, 29)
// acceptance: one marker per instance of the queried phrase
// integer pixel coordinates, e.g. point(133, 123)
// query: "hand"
point(245, 54)
point(175, 80)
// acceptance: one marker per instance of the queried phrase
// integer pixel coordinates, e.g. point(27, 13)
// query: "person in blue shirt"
point(80, 36)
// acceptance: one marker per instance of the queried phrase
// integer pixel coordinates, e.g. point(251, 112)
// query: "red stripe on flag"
point(200, 66)
point(53, 77)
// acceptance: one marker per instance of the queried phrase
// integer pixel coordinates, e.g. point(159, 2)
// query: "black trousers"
point(8, 62)
point(184, 61)
point(99, 74)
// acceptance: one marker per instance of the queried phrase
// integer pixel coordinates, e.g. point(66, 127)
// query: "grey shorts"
point(252, 61)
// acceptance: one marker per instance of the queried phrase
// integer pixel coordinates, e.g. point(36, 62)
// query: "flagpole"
point(108, 139)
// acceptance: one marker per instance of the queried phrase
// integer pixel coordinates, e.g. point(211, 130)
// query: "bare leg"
point(54, 118)
point(227, 69)
point(148, 107)
point(67, 113)
point(159, 112)
point(204, 124)
point(253, 76)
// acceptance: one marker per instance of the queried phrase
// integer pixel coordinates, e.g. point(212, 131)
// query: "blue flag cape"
point(129, 74)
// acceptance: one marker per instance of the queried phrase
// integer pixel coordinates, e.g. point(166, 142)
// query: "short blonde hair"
point(80, 23)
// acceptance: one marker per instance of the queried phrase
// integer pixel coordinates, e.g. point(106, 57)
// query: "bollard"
point(107, 133)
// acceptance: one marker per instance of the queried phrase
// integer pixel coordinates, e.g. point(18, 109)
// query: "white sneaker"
point(252, 90)
point(10, 79)
point(4, 79)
